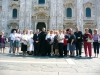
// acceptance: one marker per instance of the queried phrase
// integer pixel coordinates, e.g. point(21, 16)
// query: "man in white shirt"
point(12, 38)
point(60, 43)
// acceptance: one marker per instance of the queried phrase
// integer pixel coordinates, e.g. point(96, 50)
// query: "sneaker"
point(17, 53)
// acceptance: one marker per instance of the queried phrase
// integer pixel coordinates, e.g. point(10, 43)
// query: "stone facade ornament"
point(88, 4)
point(52, 13)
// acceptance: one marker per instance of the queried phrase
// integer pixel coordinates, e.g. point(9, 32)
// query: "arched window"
point(41, 1)
point(69, 12)
point(88, 12)
point(14, 13)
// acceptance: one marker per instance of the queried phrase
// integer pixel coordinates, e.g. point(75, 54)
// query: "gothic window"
point(88, 12)
point(41, 1)
point(14, 13)
point(69, 12)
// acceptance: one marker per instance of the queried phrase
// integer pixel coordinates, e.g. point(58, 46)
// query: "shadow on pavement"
point(47, 57)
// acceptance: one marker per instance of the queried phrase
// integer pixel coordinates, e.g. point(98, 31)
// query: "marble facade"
point(52, 14)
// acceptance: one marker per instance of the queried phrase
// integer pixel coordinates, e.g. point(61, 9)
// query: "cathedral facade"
point(51, 14)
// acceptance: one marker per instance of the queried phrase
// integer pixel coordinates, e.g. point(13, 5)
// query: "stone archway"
point(40, 25)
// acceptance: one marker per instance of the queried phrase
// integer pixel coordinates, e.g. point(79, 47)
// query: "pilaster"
point(80, 14)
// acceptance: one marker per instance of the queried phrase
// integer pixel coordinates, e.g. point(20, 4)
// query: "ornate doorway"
point(40, 25)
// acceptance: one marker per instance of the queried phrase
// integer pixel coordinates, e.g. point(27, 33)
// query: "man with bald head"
point(78, 35)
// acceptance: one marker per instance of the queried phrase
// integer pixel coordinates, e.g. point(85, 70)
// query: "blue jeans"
point(11, 46)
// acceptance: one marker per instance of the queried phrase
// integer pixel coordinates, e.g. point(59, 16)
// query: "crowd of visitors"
point(52, 43)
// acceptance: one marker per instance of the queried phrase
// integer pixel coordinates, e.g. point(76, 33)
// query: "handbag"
point(90, 40)
point(28, 44)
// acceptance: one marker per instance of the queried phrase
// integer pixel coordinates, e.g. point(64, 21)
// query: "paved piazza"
point(19, 65)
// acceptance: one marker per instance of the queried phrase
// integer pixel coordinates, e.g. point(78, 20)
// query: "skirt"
point(2, 45)
point(23, 47)
point(72, 47)
point(16, 43)
point(55, 45)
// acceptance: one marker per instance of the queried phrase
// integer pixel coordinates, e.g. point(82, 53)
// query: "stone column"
point(98, 15)
point(59, 14)
point(80, 14)
point(53, 15)
point(28, 13)
point(22, 15)
point(4, 15)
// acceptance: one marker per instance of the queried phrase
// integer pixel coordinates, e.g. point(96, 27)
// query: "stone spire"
point(80, 14)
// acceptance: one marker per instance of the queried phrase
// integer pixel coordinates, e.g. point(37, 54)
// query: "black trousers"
point(96, 47)
point(65, 49)
point(60, 47)
point(36, 48)
point(48, 49)
point(78, 48)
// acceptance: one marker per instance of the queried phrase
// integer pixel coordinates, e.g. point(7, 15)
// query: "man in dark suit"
point(78, 35)
point(36, 42)
point(42, 39)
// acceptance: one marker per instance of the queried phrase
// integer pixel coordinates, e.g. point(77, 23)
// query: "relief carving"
point(89, 25)
point(88, 4)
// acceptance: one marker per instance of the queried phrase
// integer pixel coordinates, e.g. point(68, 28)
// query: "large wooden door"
point(40, 25)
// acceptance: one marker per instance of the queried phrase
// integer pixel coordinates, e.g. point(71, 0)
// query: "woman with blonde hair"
point(86, 37)
point(60, 43)
point(96, 42)
point(24, 39)
point(2, 41)
point(17, 41)
point(55, 46)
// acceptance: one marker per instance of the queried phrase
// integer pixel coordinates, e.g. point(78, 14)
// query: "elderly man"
point(78, 35)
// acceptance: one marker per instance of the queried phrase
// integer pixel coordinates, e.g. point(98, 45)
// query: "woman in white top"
point(24, 39)
point(17, 42)
point(30, 40)
point(50, 39)
point(60, 43)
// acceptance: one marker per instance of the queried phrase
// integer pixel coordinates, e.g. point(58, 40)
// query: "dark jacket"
point(36, 38)
point(79, 34)
point(72, 37)
point(3, 40)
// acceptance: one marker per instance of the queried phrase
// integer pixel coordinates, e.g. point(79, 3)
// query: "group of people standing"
point(47, 43)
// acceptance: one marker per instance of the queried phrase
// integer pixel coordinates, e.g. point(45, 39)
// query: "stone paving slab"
point(11, 72)
point(29, 65)
point(65, 73)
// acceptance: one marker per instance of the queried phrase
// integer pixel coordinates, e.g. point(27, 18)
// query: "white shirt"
point(51, 36)
point(12, 36)
point(61, 36)
point(17, 36)
point(24, 37)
